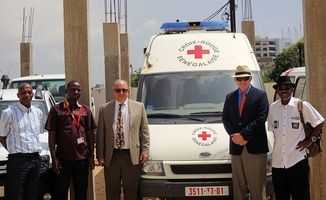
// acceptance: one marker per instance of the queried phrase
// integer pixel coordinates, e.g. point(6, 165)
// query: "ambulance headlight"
point(154, 168)
point(269, 165)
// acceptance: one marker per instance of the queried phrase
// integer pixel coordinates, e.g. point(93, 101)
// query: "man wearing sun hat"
point(290, 167)
point(244, 115)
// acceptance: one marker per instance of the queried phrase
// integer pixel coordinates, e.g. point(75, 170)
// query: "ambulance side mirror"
point(144, 50)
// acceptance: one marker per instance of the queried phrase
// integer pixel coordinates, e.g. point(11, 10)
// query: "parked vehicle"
point(55, 83)
point(298, 77)
point(187, 73)
point(44, 101)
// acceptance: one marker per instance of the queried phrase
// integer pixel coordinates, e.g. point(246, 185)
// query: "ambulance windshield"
point(185, 93)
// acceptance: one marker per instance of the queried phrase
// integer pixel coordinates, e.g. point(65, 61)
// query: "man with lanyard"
point(20, 127)
point(71, 129)
point(244, 115)
point(290, 167)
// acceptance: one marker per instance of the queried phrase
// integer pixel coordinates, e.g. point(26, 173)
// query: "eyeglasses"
point(119, 90)
point(246, 78)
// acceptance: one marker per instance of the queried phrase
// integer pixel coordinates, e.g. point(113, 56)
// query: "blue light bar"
point(184, 26)
point(213, 25)
point(175, 26)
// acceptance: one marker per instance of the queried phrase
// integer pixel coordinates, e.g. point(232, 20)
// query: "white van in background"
point(298, 77)
point(187, 74)
point(55, 83)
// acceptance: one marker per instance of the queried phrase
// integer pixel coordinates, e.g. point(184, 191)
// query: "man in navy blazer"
point(244, 115)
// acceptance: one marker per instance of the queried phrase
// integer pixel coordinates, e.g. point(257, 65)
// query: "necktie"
point(120, 136)
point(242, 101)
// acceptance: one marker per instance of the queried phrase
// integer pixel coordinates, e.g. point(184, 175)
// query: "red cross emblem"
point(204, 135)
point(198, 51)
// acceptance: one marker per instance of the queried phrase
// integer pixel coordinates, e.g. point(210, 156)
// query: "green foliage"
point(290, 57)
point(266, 78)
point(135, 78)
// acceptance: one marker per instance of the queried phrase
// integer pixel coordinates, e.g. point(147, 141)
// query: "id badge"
point(80, 140)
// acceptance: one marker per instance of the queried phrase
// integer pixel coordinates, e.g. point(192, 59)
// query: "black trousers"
point(23, 174)
point(77, 171)
point(292, 182)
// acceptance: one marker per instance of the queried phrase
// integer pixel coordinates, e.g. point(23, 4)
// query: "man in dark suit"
point(244, 115)
point(122, 142)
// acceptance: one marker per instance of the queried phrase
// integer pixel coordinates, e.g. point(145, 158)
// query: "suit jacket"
point(251, 124)
point(138, 131)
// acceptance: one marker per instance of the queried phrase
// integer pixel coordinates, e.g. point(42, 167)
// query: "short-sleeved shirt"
point(284, 121)
point(21, 126)
point(71, 132)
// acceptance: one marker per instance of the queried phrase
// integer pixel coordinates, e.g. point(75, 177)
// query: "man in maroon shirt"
point(71, 129)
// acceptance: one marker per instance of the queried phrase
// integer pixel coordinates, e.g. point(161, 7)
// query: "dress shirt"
point(125, 119)
point(284, 121)
point(22, 126)
point(239, 94)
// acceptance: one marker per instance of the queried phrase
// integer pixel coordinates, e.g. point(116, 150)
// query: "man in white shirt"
point(20, 126)
point(290, 170)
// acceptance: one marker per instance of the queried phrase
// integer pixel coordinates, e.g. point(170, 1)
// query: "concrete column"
point(76, 45)
point(112, 56)
point(124, 57)
point(315, 54)
point(25, 58)
point(76, 54)
point(248, 28)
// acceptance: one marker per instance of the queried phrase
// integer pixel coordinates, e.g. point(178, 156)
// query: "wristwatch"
point(314, 138)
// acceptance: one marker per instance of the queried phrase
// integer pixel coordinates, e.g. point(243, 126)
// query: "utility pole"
point(232, 13)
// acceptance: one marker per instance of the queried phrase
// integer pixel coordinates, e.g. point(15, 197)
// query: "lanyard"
point(75, 114)
point(76, 118)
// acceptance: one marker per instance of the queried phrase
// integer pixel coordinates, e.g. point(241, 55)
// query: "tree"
point(135, 78)
point(290, 57)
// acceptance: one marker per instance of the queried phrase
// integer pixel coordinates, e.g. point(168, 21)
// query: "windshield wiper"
point(171, 116)
point(213, 113)
point(163, 115)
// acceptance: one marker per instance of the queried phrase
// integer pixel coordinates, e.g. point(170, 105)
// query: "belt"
point(24, 155)
point(120, 150)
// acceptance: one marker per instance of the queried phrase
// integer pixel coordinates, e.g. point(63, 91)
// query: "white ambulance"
point(187, 73)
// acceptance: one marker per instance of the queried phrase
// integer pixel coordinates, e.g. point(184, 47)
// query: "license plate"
point(207, 191)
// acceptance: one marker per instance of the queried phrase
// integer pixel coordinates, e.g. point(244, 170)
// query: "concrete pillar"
point(25, 58)
point(112, 56)
point(76, 45)
point(248, 28)
point(124, 57)
point(76, 54)
point(315, 57)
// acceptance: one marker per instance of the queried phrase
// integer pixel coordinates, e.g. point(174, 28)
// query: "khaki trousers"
point(122, 171)
point(249, 175)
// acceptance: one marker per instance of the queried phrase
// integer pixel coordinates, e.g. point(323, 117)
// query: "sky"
point(273, 18)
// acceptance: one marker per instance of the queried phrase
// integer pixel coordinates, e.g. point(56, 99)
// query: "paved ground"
point(99, 183)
